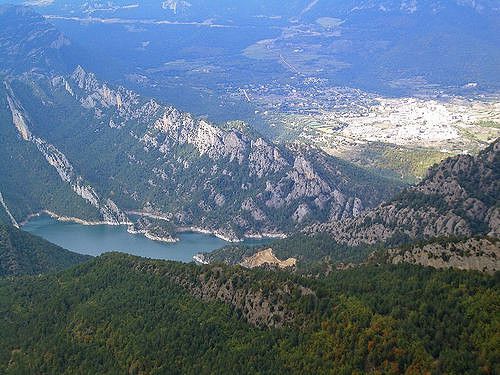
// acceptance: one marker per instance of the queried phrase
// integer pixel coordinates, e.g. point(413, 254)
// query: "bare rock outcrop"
point(266, 257)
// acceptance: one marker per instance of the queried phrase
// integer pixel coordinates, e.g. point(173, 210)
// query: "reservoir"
point(98, 239)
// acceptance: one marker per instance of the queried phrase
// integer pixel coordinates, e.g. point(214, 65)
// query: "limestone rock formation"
point(266, 257)
point(458, 198)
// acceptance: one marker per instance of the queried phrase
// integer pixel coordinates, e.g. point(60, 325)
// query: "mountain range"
point(123, 158)
point(224, 10)
point(374, 277)
point(452, 212)
point(119, 153)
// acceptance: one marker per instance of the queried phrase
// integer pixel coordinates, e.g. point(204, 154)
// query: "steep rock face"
point(98, 97)
point(110, 212)
point(163, 162)
point(459, 197)
point(7, 212)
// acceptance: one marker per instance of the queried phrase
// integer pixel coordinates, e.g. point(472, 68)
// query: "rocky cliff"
point(459, 197)
point(110, 213)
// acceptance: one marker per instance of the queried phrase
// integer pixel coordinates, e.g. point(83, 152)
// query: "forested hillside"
point(24, 254)
point(120, 314)
point(29, 184)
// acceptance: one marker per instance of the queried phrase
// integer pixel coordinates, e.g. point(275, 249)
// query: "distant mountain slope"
point(29, 43)
point(223, 10)
point(459, 197)
point(387, 46)
point(24, 254)
point(122, 314)
point(115, 151)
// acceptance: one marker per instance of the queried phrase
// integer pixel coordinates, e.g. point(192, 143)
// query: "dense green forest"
point(120, 314)
point(310, 251)
point(22, 253)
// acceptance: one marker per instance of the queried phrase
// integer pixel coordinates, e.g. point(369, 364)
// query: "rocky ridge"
point(459, 197)
point(261, 305)
point(223, 179)
point(110, 212)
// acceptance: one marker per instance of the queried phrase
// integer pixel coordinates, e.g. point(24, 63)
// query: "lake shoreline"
point(97, 239)
point(214, 232)
point(179, 229)
point(71, 219)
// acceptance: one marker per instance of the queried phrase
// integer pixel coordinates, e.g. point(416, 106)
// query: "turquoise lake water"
point(98, 239)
